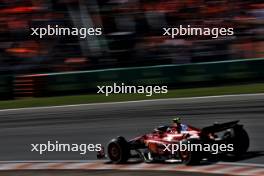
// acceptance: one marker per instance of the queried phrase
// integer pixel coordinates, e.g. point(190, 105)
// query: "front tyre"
point(190, 157)
point(118, 150)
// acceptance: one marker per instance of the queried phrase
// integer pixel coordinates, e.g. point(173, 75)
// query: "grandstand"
point(132, 33)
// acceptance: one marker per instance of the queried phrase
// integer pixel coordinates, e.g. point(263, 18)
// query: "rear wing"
point(219, 127)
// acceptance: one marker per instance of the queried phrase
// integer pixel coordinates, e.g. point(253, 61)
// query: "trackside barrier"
point(198, 74)
point(6, 86)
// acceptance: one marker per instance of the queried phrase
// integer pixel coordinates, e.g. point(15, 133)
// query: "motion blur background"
point(132, 37)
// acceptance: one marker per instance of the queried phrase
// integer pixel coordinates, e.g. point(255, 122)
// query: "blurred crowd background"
point(132, 33)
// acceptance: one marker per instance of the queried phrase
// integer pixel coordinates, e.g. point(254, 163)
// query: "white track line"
point(242, 164)
point(137, 101)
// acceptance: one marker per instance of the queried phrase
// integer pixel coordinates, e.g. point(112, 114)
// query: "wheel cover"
point(185, 155)
point(114, 152)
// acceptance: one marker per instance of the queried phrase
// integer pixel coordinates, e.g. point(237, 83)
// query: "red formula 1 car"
point(183, 142)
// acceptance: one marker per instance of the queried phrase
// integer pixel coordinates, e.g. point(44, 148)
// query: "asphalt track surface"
point(98, 123)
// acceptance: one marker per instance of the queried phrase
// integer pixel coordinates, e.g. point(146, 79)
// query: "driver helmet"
point(176, 120)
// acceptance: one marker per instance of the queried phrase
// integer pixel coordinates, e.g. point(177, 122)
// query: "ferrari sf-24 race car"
point(160, 145)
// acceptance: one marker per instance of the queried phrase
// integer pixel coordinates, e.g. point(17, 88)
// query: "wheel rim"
point(114, 152)
point(184, 155)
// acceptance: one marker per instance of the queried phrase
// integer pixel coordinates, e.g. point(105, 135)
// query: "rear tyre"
point(118, 150)
point(240, 140)
point(190, 157)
